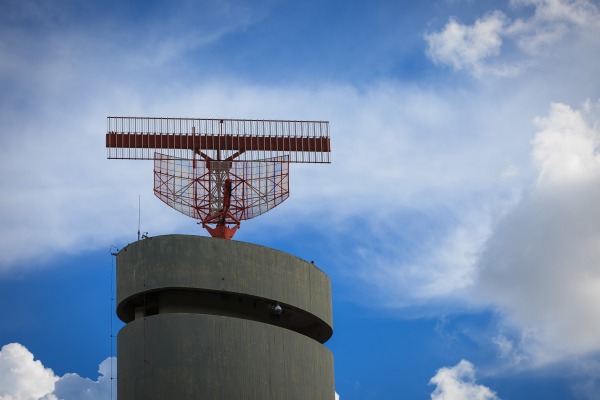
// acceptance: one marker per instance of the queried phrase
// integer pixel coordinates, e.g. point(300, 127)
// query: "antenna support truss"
point(219, 171)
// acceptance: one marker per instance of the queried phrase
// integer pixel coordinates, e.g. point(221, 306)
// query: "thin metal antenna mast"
point(139, 213)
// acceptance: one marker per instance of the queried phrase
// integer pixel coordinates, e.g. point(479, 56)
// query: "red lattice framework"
point(219, 171)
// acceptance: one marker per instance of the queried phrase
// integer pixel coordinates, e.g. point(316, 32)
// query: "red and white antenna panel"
point(138, 138)
point(219, 171)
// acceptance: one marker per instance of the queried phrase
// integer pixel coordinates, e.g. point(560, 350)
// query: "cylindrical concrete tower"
point(219, 319)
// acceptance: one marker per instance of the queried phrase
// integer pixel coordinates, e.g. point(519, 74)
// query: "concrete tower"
point(215, 319)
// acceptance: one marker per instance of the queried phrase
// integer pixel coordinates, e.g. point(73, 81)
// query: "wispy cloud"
point(476, 48)
point(60, 79)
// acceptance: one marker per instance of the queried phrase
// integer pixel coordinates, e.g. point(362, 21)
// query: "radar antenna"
point(219, 171)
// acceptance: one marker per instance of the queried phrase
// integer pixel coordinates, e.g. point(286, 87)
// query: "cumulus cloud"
point(566, 148)
point(23, 378)
point(74, 387)
point(540, 265)
point(475, 48)
point(458, 383)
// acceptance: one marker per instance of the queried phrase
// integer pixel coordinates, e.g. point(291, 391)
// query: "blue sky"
point(458, 222)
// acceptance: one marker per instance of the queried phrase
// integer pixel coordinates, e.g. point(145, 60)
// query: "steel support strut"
point(222, 231)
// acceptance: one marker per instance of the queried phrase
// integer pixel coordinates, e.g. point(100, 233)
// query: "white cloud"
point(445, 162)
point(540, 266)
point(577, 12)
point(23, 378)
point(442, 266)
point(424, 173)
point(467, 47)
point(511, 353)
point(74, 387)
point(552, 20)
point(476, 48)
point(392, 142)
point(566, 148)
point(59, 83)
point(458, 383)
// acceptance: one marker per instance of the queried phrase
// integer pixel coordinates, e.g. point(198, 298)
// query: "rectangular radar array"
point(137, 138)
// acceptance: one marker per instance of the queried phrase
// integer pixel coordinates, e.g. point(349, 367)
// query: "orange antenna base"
point(221, 231)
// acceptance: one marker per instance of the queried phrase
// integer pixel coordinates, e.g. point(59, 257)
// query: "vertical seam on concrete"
point(144, 321)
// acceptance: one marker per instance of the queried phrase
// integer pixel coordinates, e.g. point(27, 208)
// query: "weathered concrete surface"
point(196, 262)
point(200, 322)
point(191, 356)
